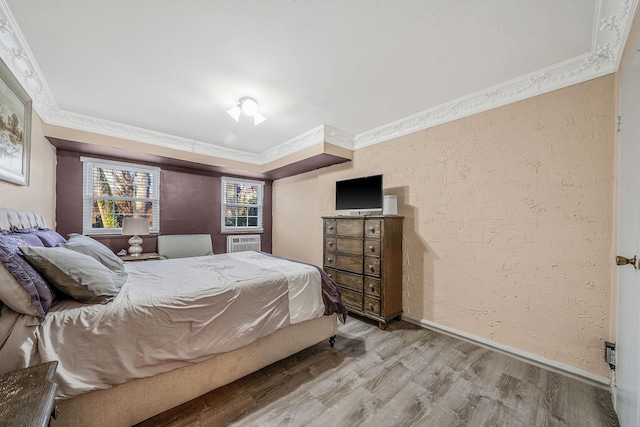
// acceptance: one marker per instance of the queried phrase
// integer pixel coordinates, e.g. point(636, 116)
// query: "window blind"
point(241, 203)
point(113, 191)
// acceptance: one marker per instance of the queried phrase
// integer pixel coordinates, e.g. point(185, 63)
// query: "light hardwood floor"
point(404, 376)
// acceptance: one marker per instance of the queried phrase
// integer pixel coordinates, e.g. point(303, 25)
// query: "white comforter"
point(168, 314)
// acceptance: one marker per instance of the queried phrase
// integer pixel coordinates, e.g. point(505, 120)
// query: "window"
point(241, 205)
point(115, 190)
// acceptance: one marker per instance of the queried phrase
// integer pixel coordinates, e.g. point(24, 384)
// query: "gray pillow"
point(79, 276)
point(96, 250)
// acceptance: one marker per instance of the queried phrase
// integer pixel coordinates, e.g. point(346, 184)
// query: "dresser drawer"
point(372, 305)
point(329, 226)
point(348, 280)
point(349, 227)
point(351, 299)
point(372, 267)
point(372, 286)
point(329, 259)
point(349, 263)
point(372, 247)
point(329, 243)
point(372, 228)
point(349, 245)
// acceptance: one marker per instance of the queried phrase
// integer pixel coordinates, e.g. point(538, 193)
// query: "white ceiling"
point(165, 72)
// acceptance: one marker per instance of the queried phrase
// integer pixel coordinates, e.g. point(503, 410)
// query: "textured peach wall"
point(41, 193)
point(508, 221)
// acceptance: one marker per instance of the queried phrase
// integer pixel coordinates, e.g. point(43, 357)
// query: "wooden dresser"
point(363, 255)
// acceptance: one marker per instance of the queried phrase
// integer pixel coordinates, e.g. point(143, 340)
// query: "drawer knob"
point(329, 260)
point(330, 276)
point(330, 243)
point(373, 288)
point(370, 306)
point(330, 227)
point(373, 229)
point(372, 249)
point(371, 268)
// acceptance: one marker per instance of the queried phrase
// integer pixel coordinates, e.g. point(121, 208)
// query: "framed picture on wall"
point(15, 128)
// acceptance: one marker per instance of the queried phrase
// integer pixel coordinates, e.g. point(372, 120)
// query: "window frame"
point(259, 205)
point(88, 197)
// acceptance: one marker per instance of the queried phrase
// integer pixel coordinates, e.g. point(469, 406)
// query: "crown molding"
point(576, 70)
point(16, 54)
point(317, 135)
point(611, 30)
point(119, 130)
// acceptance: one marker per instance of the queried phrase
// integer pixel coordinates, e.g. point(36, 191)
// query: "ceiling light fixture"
point(248, 106)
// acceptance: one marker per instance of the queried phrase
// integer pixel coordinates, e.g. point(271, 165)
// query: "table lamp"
point(134, 227)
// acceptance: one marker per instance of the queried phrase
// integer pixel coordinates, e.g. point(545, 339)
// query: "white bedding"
point(169, 313)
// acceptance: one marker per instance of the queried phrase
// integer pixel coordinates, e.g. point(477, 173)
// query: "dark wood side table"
point(149, 256)
point(27, 396)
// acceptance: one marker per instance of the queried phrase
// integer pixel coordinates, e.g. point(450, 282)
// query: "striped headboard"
point(20, 219)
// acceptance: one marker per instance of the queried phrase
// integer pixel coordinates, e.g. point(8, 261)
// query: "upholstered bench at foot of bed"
point(184, 245)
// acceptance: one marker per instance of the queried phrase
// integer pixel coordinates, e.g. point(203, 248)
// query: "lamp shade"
point(135, 226)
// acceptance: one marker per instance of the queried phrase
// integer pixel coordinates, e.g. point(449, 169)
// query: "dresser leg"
point(332, 340)
point(382, 325)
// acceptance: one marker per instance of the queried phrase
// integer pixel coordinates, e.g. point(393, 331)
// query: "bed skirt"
point(130, 403)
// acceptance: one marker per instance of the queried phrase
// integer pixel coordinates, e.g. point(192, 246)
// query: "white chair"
point(184, 245)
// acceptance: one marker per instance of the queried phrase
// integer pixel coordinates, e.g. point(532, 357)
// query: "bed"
point(174, 330)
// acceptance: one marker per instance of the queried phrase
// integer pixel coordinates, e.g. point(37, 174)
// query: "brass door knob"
point(620, 260)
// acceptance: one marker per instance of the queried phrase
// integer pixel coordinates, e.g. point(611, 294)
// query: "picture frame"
point(15, 129)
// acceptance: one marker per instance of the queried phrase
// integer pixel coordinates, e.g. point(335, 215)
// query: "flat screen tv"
point(360, 194)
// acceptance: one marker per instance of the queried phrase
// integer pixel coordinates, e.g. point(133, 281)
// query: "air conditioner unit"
point(243, 243)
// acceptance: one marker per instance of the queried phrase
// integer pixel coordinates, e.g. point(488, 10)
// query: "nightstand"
point(27, 396)
point(149, 256)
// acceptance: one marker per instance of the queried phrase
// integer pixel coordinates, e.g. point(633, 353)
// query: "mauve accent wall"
point(189, 204)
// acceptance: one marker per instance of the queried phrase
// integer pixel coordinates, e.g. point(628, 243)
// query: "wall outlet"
point(610, 354)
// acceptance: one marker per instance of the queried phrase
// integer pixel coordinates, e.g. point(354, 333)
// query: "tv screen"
point(360, 194)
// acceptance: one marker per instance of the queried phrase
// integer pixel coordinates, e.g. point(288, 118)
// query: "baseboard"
point(614, 391)
point(551, 365)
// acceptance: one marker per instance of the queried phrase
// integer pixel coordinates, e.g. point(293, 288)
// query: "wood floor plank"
point(351, 411)
point(402, 376)
point(407, 407)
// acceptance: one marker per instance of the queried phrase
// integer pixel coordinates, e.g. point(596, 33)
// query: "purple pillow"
point(48, 237)
point(25, 274)
point(29, 239)
point(15, 240)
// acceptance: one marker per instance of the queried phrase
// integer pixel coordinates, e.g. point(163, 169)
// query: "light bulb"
point(249, 106)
